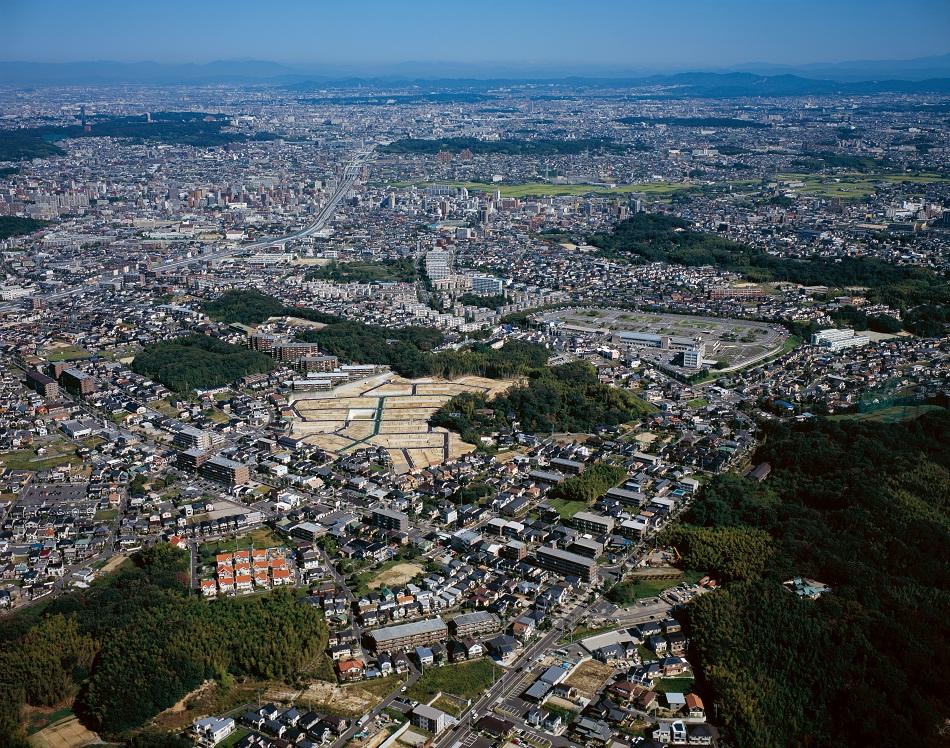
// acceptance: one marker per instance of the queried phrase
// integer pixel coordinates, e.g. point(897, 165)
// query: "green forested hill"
point(130, 647)
point(198, 362)
point(864, 508)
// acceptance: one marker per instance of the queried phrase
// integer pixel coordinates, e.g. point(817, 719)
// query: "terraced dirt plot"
point(390, 412)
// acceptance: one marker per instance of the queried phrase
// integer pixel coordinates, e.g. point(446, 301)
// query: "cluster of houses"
point(271, 726)
point(248, 570)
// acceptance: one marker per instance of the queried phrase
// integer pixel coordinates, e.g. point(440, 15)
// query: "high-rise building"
point(438, 264)
point(486, 285)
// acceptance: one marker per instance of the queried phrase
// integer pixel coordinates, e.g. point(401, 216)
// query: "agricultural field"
point(387, 411)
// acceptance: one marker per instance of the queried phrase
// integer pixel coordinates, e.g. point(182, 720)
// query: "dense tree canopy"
point(16, 226)
point(251, 307)
point(557, 399)
point(864, 508)
point(133, 646)
point(198, 362)
point(408, 350)
point(591, 484)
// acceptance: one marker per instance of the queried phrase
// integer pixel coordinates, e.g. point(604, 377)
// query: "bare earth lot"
point(391, 412)
point(395, 576)
point(69, 733)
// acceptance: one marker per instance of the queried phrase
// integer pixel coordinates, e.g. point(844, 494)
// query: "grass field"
point(106, 515)
point(467, 680)
point(260, 538)
point(697, 402)
point(855, 186)
point(543, 189)
point(638, 588)
point(27, 459)
point(673, 685)
point(66, 353)
point(565, 508)
point(894, 414)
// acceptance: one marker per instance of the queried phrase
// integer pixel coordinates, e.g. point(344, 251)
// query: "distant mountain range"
point(923, 75)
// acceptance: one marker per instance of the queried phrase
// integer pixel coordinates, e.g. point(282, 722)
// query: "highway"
point(350, 173)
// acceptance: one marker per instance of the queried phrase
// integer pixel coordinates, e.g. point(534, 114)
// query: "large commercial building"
point(836, 340)
point(407, 635)
point(389, 519)
point(566, 563)
point(487, 285)
point(223, 470)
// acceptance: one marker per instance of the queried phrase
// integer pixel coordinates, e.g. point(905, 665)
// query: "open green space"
point(27, 459)
point(106, 515)
point(467, 680)
point(855, 185)
point(674, 685)
point(697, 402)
point(263, 537)
point(16, 226)
point(66, 353)
point(385, 271)
point(565, 508)
point(635, 588)
point(379, 687)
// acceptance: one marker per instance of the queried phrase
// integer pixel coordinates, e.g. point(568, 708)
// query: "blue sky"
point(620, 34)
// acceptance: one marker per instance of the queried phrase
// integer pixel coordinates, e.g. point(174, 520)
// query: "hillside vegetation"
point(126, 649)
point(198, 362)
point(553, 399)
point(864, 664)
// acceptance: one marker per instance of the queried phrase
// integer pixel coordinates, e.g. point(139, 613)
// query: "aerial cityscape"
point(429, 375)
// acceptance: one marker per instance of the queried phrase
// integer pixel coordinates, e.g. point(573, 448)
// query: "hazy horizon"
point(599, 35)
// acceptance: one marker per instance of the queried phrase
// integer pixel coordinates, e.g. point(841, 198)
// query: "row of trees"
point(864, 508)
point(123, 651)
point(198, 362)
